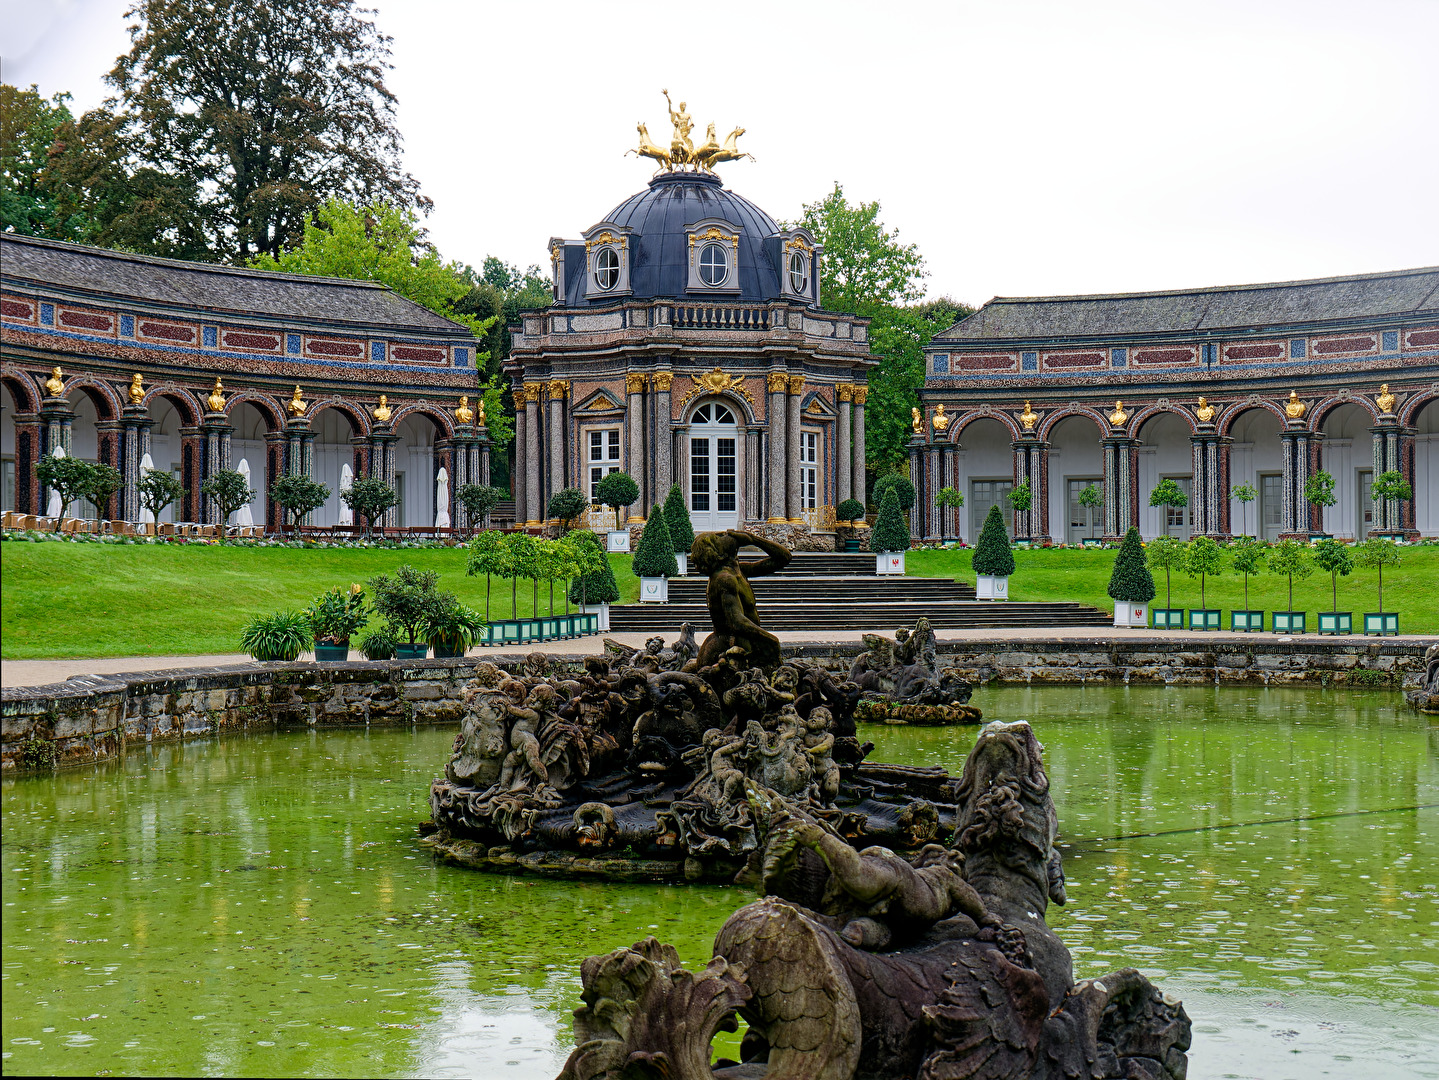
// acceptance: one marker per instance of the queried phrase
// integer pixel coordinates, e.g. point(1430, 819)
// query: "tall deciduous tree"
point(28, 123)
point(266, 109)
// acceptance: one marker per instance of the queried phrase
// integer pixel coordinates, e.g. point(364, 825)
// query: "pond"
point(260, 906)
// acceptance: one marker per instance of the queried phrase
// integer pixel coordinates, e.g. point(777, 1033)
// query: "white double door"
point(714, 469)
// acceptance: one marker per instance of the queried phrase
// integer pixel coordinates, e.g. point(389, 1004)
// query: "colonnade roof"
point(1273, 305)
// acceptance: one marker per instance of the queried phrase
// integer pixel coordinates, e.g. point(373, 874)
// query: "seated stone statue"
point(730, 598)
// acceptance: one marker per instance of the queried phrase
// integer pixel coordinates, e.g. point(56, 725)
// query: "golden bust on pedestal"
point(216, 400)
point(55, 384)
point(382, 410)
point(464, 414)
point(137, 388)
point(1028, 418)
point(1385, 400)
point(298, 405)
point(1205, 412)
point(939, 420)
point(1119, 417)
point(916, 421)
point(1294, 408)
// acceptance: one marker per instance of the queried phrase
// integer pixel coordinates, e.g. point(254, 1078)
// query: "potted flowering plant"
point(334, 616)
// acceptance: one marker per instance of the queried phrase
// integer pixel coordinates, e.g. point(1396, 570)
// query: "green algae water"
point(259, 906)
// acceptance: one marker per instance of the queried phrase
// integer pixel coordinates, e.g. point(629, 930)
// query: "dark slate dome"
point(659, 264)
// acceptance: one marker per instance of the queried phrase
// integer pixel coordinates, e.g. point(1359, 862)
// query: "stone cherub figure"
point(730, 598)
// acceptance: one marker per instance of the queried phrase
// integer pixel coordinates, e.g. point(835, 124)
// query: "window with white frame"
point(604, 456)
point(714, 264)
point(809, 492)
point(607, 268)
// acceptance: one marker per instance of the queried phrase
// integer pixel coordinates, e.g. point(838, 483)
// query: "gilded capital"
point(861, 393)
point(635, 382)
point(796, 384)
point(534, 393)
point(776, 382)
point(662, 381)
point(845, 391)
point(518, 393)
point(557, 389)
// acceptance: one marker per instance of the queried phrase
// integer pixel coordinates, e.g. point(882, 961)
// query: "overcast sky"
point(1027, 148)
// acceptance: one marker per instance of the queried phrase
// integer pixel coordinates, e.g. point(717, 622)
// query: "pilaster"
point(777, 415)
point(664, 442)
point(518, 489)
point(844, 452)
point(635, 432)
point(857, 474)
point(557, 389)
point(792, 432)
point(534, 511)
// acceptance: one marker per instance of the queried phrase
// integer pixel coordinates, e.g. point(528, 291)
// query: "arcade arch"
point(1256, 459)
point(1165, 452)
point(1076, 460)
point(1348, 455)
point(985, 460)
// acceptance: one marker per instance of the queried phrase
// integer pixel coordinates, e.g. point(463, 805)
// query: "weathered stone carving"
point(901, 682)
point(730, 598)
point(1425, 696)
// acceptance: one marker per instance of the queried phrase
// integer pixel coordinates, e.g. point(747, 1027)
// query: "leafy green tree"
point(993, 555)
point(478, 500)
point(69, 477)
point(158, 489)
point(677, 519)
point(849, 510)
point(890, 532)
point(1335, 559)
point(948, 498)
point(552, 560)
point(1131, 582)
point(1375, 554)
point(370, 498)
point(229, 490)
point(1391, 486)
point(105, 480)
point(655, 556)
point(486, 556)
point(1168, 494)
point(617, 490)
point(567, 505)
point(521, 561)
point(266, 109)
point(28, 125)
point(1203, 558)
point(1249, 557)
point(903, 489)
point(1091, 498)
point(596, 581)
point(1246, 494)
point(1022, 497)
point(1319, 492)
point(407, 600)
point(297, 495)
point(1167, 554)
point(1291, 559)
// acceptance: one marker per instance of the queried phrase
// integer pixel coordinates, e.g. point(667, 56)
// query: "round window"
point(714, 264)
point(607, 268)
point(798, 272)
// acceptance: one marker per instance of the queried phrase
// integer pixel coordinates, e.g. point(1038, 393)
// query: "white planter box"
point(654, 590)
point(602, 610)
point(990, 587)
point(889, 562)
point(683, 558)
point(1131, 614)
point(617, 540)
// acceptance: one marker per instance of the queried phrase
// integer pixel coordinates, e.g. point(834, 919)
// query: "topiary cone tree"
point(993, 556)
point(655, 556)
point(677, 518)
point(1131, 582)
point(890, 532)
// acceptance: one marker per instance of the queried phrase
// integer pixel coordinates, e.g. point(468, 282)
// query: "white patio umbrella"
point(442, 499)
point(347, 478)
point(52, 509)
point(243, 517)
point(146, 462)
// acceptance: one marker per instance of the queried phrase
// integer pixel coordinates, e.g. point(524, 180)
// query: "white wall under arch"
point(247, 441)
point(415, 460)
point(1165, 450)
point(986, 453)
point(1346, 451)
point(1255, 449)
point(1426, 470)
point(1075, 453)
point(330, 452)
point(165, 450)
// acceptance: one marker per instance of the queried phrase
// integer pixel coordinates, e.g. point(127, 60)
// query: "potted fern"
point(1375, 554)
point(1131, 585)
point(890, 539)
point(654, 562)
point(1167, 554)
point(450, 628)
point(1248, 559)
point(334, 616)
point(1335, 558)
point(993, 559)
point(1291, 559)
point(849, 513)
point(1203, 559)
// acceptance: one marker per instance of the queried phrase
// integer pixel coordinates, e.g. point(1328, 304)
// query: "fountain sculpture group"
point(902, 927)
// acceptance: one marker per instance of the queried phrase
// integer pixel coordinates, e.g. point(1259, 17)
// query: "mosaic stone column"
point(534, 510)
point(664, 422)
point(56, 418)
point(27, 445)
point(214, 456)
point(1209, 499)
point(935, 468)
point(1299, 449)
point(192, 466)
point(844, 451)
point(382, 467)
point(1121, 492)
point(521, 465)
point(557, 389)
point(857, 467)
point(1031, 462)
point(1393, 452)
point(917, 478)
point(276, 444)
point(135, 444)
point(775, 414)
point(635, 433)
point(792, 433)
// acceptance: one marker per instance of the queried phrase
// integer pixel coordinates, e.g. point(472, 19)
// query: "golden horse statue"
point(728, 152)
point(649, 149)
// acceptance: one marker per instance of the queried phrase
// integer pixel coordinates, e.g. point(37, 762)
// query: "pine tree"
point(677, 517)
point(890, 532)
point(993, 555)
point(656, 554)
point(1131, 582)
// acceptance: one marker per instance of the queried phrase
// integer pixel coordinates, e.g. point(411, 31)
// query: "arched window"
point(714, 264)
point(798, 272)
point(607, 268)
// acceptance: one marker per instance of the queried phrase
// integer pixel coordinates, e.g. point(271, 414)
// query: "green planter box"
point(1205, 618)
point(1168, 618)
point(1381, 622)
point(544, 628)
point(1246, 620)
point(442, 653)
point(1288, 622)
point(1336, 622)
point(406, 651)
point(330, 654)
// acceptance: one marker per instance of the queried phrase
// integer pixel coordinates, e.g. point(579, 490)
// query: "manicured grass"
point(1082, 575)
point(80, 600)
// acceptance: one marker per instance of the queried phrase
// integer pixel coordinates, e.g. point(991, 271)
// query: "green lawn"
point(1082, 575)
point(81, 600)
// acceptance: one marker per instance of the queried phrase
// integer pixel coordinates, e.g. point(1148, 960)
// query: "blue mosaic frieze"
point(47, 314)
point(292, 344)
point(462, 357)
point(1391, 340)
point(1296, 348)
point(1118, 358)
point(1029, 361)
point(941, 363)
point(127, 326)
point(1211, 353)
point(210, 336)
point(377, 352)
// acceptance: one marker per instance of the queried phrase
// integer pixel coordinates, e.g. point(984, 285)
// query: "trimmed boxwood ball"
point(598, 586)
point(890, 533)
point(677, 518)
point(849, 510)
point(656, 554)
point(900, 485)
point(617, 490)
point(993, 555)
point(1131, 582)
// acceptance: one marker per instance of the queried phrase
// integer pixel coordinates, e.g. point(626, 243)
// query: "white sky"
point(1029, 148)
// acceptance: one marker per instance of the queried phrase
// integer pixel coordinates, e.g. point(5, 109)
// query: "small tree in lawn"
point(1021, 499)
point(1319, 492)
point(992, 554)
point(1375, 554)
point(521, 561)
point(1249, 557)
point(297, 495)
point(408, 599)
point(677, 520)
point(551, 561)
point(900, 484)
point(1167, 554)
point(229, 490)
point(478, 500)
point(1291, 559)
point(567, 505)
point(596, 581)
point(105, 481)
point(890, 532)
point(1391, 486)
point(1246, 494)
point(1131, 582)
point(655, 556)
point(948, 498)
point(370, 498)
point(1169, 495)
point(486, 557)
point(1091, 498)
point(1203, 558)
point(618, 491)
point(158, 489)
point(1334, 558)
point(70, 478)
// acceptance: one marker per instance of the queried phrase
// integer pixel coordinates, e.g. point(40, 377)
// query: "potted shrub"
point(281, 636)
point(654, 562)
point(618, 491)
point(1375, 554)
point(405, 601)
point(947, 499)
point(993, 559)
point(1091, 498)
point(230, 490)
point(450, 627)
point(850, 511)
point(1337, 559)
point(1291, 559)
point(478, 500)
point(1203, 559)
point(378, 644)
point(1319, 493)
point(158, 489)
point(370, 498)
point(334, 616)
point(890, 539)
point(682, 532)
point(594, 588)
point(297, 495)
point(1248, 558)
point(1021, 499)
point(1167, 554)
point(1130, 583)
point(1390, 487)
point(566, 506)
point(1245, 494)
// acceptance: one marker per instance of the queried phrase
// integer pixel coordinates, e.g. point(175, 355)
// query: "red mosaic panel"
point(17, 309)
point(1329, 346)
point(334, 348)
point(239, 339)
point(419, 353)
point(1074, 359)
point(167, 332)
point(1163, 356)
point(1268, 350)
point(1419, 338)
point(86, 320)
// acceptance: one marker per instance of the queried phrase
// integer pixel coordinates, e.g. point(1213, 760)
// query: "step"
point(957, 614)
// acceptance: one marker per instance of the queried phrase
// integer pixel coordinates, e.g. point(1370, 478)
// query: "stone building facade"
point(686, 345)
point(1257, 386)
point(302, 363)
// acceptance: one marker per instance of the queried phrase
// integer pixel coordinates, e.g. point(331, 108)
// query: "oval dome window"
point(714, 264)
point(607, 268)
point(798, 272)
